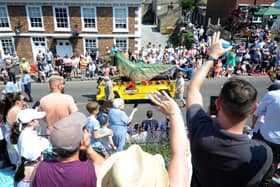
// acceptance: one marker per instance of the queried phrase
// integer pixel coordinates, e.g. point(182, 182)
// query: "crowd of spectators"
point(76, 150)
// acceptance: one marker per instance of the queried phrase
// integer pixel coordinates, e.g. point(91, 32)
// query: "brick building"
point(68, 26)
point(220, 8)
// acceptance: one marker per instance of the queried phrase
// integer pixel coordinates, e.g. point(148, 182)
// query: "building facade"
point(218, 10)
point(71, 27)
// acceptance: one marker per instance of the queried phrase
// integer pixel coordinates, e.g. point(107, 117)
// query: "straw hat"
point(133, 167)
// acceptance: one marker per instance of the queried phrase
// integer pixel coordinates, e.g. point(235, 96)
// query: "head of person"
point(180, 74)
point(29, 117)
point(68, 134)
point(103, 119)
point(18, 99)
point(25, 118)
point(118, 103)
point(23, 59)
point(106, 78)
point(140, 168)
point(93, 107)
point(149, 114)
point(237, 99)
point(56, 83)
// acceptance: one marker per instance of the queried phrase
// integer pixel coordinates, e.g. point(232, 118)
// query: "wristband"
point(209, 57)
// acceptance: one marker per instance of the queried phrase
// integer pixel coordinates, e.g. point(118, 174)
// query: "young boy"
point(107, 142)
point(93, 126)
point(26, 82)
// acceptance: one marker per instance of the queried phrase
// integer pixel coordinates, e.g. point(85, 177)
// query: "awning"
point(268, 11)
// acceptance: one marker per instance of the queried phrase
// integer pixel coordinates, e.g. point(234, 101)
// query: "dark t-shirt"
point(68, 174)
point(150, 125)
point(223, 159)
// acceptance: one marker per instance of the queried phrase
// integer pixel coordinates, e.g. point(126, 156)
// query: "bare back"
point(57, 106)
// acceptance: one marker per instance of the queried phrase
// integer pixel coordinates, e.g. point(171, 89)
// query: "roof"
point(104, 3)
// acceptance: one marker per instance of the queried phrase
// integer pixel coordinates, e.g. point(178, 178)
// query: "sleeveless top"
point(67, 174)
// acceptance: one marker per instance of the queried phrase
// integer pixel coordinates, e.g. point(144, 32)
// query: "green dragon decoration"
point(139, 72)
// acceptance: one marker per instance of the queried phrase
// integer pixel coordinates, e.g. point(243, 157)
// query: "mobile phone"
point(135, 105)
point(213, 110)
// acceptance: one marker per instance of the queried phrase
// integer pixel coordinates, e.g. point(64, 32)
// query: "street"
point(85, 91)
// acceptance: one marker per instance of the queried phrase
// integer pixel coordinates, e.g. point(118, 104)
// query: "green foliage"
point(188, 39)
point(175, 40)
point(187, 4)
point(162, 148)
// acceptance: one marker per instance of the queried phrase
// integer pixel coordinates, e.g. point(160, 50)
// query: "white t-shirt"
point(30, 145)
point(269, 107)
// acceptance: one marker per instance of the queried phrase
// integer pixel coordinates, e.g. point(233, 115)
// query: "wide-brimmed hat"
point(133, 167)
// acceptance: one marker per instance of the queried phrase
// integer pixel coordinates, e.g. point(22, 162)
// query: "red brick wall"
point(131, 20)
point(48, 18)
point(257, 1)
point(104, 20)
point(75, 17)
point(18, 15)
point(103, 42)
point(23, 48)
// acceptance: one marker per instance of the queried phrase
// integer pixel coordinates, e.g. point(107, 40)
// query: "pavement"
point(150, 33)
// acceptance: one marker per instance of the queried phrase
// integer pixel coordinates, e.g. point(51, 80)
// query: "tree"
point(188, 39)
point(187, 4)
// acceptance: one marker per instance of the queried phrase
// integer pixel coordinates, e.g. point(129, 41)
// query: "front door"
point(64, 47)
point(38, 43)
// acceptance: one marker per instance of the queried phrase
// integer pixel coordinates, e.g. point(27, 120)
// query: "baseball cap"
point(27, 115)
point(273, 87)
point(141, 168)
point(67, 133)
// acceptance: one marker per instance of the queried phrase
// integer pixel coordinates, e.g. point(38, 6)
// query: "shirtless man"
point(56, 104)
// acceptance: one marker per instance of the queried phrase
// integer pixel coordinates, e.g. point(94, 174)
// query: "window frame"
point(114, 20)
point(126, 40)
point(8, 18)
point(30, 28)
point(91, 38)
point(68, 19)
point(83, 22)
point(12, 42)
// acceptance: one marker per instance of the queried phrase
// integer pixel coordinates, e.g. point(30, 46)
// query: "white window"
point(90, 45)
point(89, 20)
point(120, 19)
point(35, 19)
point(4, 18)
point(61, 19)
point(121, 43)
point(257, 19)
point(7, 45)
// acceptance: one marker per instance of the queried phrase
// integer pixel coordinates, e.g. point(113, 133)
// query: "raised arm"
point(179, 170)
point(193, 90)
